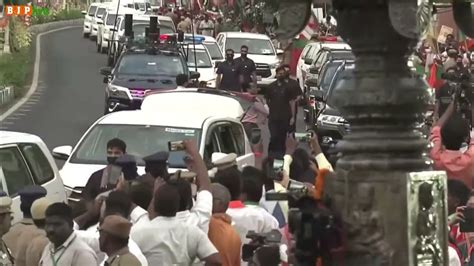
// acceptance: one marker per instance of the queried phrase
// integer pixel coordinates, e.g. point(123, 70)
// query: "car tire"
point(99, 48)
point(85, 35)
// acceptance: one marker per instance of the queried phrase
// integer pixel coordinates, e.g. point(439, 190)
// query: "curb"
point(36, 29)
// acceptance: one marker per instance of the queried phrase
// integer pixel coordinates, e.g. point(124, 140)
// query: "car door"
point(228, 137)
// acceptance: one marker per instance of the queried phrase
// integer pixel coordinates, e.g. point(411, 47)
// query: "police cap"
point(126, 160)
point(223, 161)
point(159, 157)
point(31, 193)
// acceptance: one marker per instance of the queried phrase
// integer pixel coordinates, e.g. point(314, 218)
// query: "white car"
point(97, 19)
point(200, 60)
point(25, 160)
point(261, 51)
point(308, 55)
point(106, 29)
point(213, 48)
point(88, 15)
point(211, 119)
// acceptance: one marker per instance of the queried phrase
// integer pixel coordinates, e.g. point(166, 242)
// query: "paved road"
point(70, 92)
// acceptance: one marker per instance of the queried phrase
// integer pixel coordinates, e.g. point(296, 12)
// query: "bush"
point(14, 69)
point(57, 16)
point(20, 36)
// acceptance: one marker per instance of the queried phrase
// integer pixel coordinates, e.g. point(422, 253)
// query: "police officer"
point(5, 222)
point(113, 240)
point(228, 73)
point(156, 165)
point(129, 166)
point(27, 196)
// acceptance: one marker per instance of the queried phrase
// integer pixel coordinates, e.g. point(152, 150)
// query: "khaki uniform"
point(123, 258)
point(6, 259)
point(35, 249)
point(24, 240)
point(11, 238)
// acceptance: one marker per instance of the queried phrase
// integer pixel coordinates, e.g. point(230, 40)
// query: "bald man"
point(221, 233)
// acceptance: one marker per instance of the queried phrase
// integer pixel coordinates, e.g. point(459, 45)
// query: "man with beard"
point(246, 68)
point(228, 73)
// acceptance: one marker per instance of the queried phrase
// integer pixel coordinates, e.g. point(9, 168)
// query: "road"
point(70, 94)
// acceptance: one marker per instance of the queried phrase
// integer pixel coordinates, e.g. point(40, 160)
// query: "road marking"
point(34, 83)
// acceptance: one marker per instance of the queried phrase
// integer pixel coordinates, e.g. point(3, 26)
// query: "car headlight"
point(331, 119)
point(274, 65)
point(118, 92)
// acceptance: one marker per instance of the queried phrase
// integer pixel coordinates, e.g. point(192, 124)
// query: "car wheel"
point(103, 50)
point(99, 47)
point(85, 35)
point(110, 60)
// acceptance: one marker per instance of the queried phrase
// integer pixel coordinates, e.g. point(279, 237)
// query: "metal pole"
point(194, 44)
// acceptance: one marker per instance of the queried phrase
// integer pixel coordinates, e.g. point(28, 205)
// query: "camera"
point(461, 86)
point(263, 243)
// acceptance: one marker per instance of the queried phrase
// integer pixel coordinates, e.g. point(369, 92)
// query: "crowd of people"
point(158, 218)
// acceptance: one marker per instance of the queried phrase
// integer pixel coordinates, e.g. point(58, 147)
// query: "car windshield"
point(342, 55)
point(256, 46)
point(151, 65)
point(347, 71)
point(202, 59)
point(100, 12)
point(326, 77)
point(110, 19)
point(141, 140)
point(139, 30)
point(92, 10)
point(214, 51)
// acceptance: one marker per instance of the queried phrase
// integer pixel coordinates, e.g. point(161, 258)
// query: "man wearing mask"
point(295, 88)
point(206, 27)
point(228, 74)
point(246, 68)
point(115, 148)
point(5, 222)
point(280, 99)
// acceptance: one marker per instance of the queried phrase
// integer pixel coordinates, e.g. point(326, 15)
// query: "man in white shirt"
point(172, 242)
point(206, 27)
point(65, 248)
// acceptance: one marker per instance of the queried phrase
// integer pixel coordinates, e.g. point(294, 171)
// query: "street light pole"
point(393, 207)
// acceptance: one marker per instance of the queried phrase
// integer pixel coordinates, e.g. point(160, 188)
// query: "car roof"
point(152, 118)
point(207, 102)
point(246, 35)
point(10, 137)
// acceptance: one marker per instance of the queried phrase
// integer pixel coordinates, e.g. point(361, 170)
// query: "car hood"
point(263, 59)
point(134, 82)
point(331, 111)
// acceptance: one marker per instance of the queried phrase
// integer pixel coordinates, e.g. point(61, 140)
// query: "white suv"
point(25, 160)
point(212, 119)
point(261, 51)
point(97, 19)
point(88, 15)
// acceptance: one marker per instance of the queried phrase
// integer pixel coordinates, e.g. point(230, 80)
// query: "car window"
point(14, 170)
point(100, 12)
point(321, 59)
point(324, 80)
point(38, 163)
point(201, 57)
point(226, 139)
point(307, 52)
point(168, 24)
point(212, 146)
point(214, 51)
point(151, 65)
point(110, 19)
point(256, 46)
point(239, 137)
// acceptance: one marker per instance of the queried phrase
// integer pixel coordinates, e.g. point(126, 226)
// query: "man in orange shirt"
point(447, 136)
point(221, 232)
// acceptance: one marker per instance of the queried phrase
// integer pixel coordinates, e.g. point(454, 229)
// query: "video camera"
point(264, 243)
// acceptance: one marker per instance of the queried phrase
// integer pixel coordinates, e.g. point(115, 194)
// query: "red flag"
point(434, 78)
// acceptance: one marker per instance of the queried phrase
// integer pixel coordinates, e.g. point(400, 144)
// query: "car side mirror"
point(106, 71)
point(255, 136)
point(106, 79)
point(318, 95)
point(62, 152)
point(194, 75)
point(308, 61)
point(83, 12)
point(314, 70)
point(280, 51)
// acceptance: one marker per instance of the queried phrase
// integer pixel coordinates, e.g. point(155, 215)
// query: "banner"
point(443, 33)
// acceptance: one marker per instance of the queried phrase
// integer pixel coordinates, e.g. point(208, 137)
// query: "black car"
point(329, 124)
point(138, 71)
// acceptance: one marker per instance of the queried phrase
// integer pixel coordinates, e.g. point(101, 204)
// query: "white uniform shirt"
point(72, 252)
point(167, 241)
point(91, 238)
point(207, 28)
point(251, 218)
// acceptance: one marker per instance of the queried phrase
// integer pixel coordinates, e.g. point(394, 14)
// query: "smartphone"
point(468, 224)
point(176, 145)
point(303, 137)
point(277, 170)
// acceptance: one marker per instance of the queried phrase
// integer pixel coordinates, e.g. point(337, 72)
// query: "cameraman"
point(447, 136)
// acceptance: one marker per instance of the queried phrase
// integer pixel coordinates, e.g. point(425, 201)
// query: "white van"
point(211, 118)
point(97, 19)
point(88, 15)
point(25, 160)
point(261, 51)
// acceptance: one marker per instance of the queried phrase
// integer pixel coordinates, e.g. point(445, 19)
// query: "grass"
point(15, 70)
point(61, 15)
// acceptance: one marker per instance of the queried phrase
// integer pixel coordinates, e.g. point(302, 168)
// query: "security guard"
point(156, 165)
point(113, 240)
point(222, 161)
point(27, 196)
point(6, 259)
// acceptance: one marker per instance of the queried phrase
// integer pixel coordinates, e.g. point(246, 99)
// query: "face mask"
point(243, 55)
point(111, 159)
